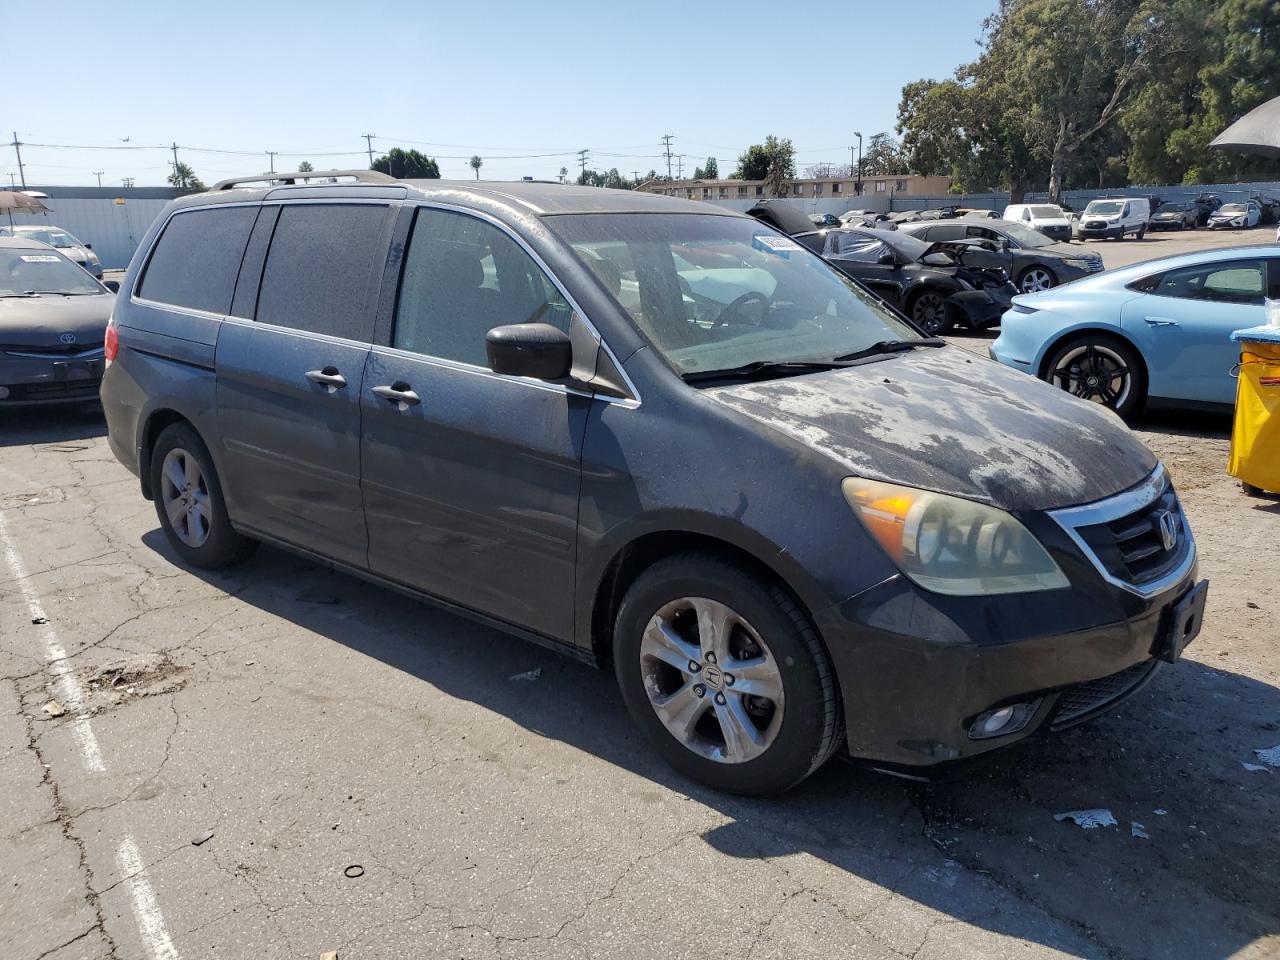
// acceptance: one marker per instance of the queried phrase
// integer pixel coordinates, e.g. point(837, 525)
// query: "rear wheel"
point(726, 675)
point(929, 311)
point(1142, 231)
point(189, 503)
point(1101, 369)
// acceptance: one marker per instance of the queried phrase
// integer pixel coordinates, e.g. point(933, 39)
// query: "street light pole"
point(857, 182)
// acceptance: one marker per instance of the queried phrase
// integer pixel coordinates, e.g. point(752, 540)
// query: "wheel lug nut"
point(728, 679)
point(694, 666)
point(720, 698)
point(699, 690)
point(711, 657)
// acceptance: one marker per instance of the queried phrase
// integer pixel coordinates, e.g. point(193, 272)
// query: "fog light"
point(1002, 721)
point(4, 393)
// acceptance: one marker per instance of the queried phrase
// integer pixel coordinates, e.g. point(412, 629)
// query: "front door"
point(471, 479)
point(290, 377)
point(1183, 327)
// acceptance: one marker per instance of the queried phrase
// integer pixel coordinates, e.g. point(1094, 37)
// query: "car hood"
point(42, 321)
point(942, 419)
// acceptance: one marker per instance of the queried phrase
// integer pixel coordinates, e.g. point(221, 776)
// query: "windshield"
point(1048, 212)
point(715, 293)
point(1172, 207)
point(55, 238)
point(1025, 236)
point(27, 270)
point(1233, 208)
point(1104, 207)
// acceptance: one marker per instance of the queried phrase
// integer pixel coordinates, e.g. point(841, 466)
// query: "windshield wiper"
point(889, 346)
point(761, 369)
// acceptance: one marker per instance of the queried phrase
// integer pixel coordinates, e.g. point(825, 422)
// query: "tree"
point(772, 161)
point(611, 179)
point(884, 157)
point(712, 170)
point(184, 179)
point(406, 165)
point(476, 163)
point(305, 167)
point(564, 172)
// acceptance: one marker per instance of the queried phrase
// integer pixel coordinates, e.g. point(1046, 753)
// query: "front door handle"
point(1161, 322)
point(328, 377)
point(398, 392)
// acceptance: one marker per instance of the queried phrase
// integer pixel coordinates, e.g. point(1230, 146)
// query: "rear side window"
point(322, 269)
point(1233, 281)
point(198, 257)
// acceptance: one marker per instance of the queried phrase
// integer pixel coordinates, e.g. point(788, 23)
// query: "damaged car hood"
point(944, 420)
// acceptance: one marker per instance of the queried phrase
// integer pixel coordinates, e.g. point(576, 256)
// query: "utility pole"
point(271, 154)
point(175, 159)
point(98, 174)
point(368, 139)
point(12, 183)
point(17, 148)
point(857, 181)
point(128, 182)
point(666, 143)
point(679, 166)
point(582, 160)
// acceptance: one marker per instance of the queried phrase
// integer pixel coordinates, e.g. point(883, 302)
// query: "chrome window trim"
point(633, 401)
point(1121, 505)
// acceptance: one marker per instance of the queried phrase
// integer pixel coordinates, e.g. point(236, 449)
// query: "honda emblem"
point(1168, 525)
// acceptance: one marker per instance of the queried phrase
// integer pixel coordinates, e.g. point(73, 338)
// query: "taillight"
point(111, 344)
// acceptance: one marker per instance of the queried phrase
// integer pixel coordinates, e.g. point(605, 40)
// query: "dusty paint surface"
point(944, 420)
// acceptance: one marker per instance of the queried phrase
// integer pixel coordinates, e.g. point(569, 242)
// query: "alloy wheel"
point(711, 680)
point(1035, 280)
point(930, 312)
point(1094, 372)
point(184, 493)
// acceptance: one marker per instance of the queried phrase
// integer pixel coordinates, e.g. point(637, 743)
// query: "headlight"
point(1079, 262)
point(951, 545)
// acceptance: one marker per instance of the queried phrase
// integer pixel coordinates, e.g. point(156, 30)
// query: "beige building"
point(826, 188)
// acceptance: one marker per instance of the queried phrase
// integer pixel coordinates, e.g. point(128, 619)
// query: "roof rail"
point(361, 176)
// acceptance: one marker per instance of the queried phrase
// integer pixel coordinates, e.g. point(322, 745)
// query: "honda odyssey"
point(655, 434)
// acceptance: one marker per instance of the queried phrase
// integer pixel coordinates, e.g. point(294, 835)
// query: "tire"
point(189, 502)
point(1036, 278)
point(793, 731)
point(1142, 232)
point(930, 312)
point(1080, 365)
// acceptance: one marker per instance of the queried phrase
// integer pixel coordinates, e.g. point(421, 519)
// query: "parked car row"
point(76, 251)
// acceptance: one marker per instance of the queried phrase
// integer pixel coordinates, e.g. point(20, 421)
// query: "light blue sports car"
point(1158, 330)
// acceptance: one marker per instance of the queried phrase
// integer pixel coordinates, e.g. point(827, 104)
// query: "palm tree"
point(476, 164)
point(185, 179)
point(564, 172)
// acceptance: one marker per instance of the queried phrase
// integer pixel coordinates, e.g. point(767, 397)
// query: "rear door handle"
point(398, 392)
point(328, 377)
point(1161, 322)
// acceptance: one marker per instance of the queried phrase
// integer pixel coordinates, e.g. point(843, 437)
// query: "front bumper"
point(982, 308)
point(1061, 234)
point(39, 377)
point(916, 668)
point(1100, 232)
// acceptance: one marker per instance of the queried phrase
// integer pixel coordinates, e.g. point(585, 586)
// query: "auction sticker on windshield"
point(41, 258)
point(782, 246)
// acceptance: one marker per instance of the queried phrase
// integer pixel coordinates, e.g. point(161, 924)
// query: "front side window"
point(322, 269)
point(31, 271)
point(196, 262)
point(463, 276)
point(1234, 281)
point(713, 293)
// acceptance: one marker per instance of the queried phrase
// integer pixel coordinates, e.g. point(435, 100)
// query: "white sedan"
point(1235, 216)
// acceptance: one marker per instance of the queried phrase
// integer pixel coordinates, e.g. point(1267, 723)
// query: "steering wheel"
point(751, 296)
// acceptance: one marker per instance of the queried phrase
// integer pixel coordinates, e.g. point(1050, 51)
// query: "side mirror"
point(88, 246)
point(112, 285)
point(888, 259)
point(936, 260)
point(536, 350)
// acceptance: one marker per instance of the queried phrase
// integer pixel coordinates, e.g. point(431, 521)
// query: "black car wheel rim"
point(1094, 372)
point(930, 311)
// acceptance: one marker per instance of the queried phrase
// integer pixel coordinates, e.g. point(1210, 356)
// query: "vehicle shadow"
point(982, 848)
point(22, 426)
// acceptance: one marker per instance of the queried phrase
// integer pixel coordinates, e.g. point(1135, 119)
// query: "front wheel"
point(1035, 279)
point(726, 675)
point(1142, 232)
point(929, 311)
point(1102, 369)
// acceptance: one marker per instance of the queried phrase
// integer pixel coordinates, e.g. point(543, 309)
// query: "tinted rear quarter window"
point(323, 268)
point(198, 257)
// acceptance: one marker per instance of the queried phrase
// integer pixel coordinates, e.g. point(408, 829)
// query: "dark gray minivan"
point(657, 434)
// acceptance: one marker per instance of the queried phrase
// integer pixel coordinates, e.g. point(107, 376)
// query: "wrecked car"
point(937, 285)
point(651, 434)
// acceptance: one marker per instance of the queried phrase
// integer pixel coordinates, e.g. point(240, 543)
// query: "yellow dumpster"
point(1255, 436)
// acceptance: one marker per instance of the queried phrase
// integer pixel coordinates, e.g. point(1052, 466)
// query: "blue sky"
point(502, 79)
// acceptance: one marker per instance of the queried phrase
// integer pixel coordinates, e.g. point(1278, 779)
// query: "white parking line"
point(67, 688)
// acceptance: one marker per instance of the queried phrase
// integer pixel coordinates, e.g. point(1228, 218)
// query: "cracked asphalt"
point(314, 723)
